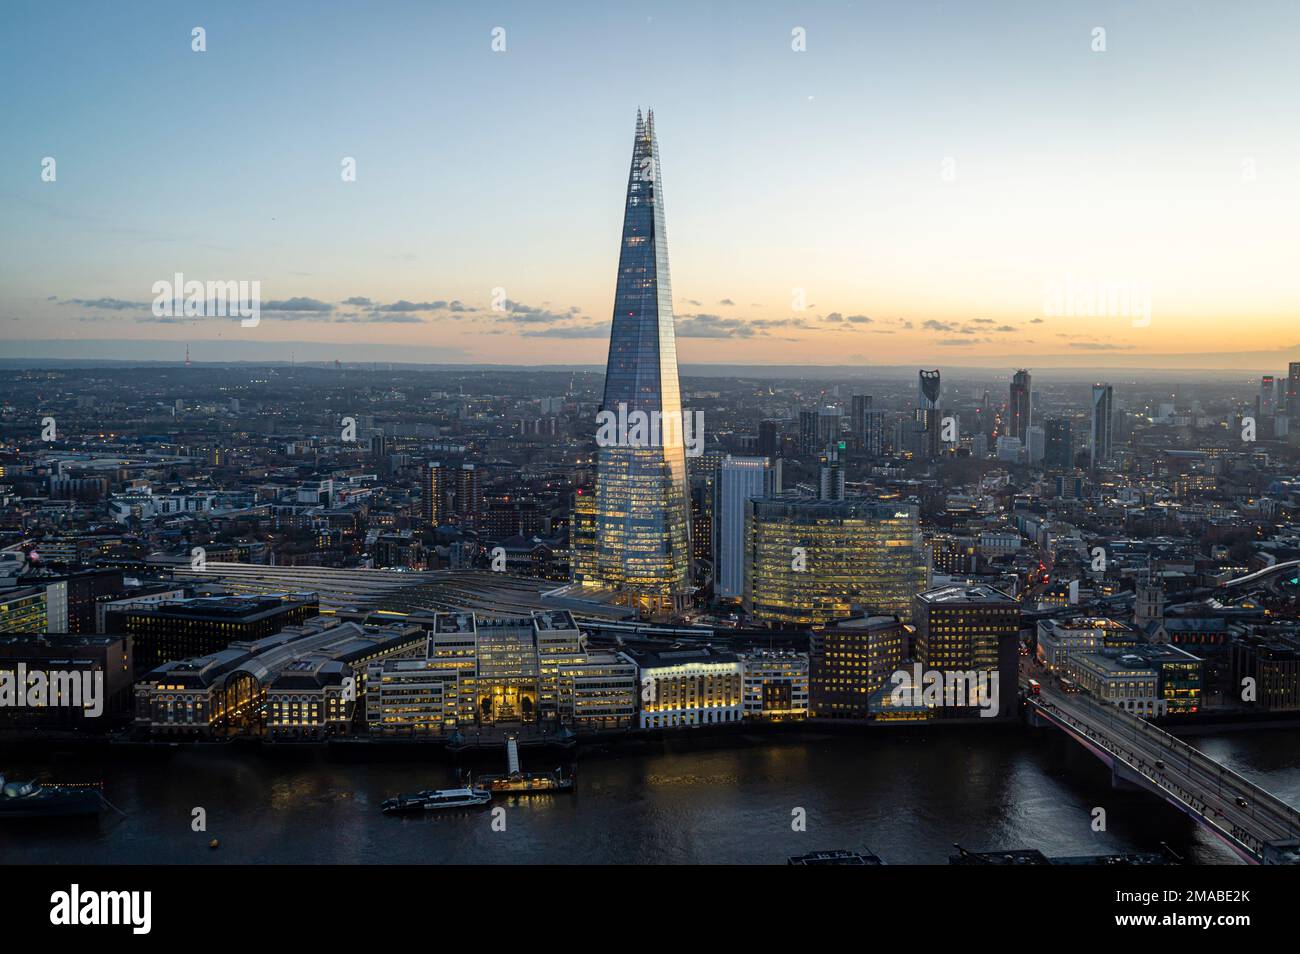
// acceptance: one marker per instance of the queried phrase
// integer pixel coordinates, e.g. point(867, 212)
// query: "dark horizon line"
point(700, 369)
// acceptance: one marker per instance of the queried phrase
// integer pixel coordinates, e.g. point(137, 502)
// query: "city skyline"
point(820, 216)
point(381, 491)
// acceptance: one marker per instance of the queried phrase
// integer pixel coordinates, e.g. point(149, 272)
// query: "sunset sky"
point(928, 174)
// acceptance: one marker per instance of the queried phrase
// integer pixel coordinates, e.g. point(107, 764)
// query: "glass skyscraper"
point(1019, 408)
point(642, 513)
point(1103, 397)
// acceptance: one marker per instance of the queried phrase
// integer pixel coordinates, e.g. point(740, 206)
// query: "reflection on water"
point(906, 796)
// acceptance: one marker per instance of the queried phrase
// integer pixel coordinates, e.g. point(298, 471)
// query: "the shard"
point(642, 517)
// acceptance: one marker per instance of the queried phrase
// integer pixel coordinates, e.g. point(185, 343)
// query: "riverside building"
point(305, 678)
point(810, 562)
point(690, 687)
point(504, 671)
point(642, 513)
point(776, 685)
point(849, 661)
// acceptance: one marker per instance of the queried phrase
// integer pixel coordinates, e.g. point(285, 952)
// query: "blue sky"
point(817, 170)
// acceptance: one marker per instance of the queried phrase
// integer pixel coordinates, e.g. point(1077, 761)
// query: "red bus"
point(1034, 688)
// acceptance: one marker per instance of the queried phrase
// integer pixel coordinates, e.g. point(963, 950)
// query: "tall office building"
point(433, 494)
point(830, 483)
point(738, 479)
point(469, 494)
point(875, 440)
point(1293, 389)
point(1059, 450)
point(872, 437)
point(703, 490)
point(860, 408)
point(809, 562)
point(926, 423)
point(1019, 407)
point(817, 429)
point(582, 537)
point(1267, 396)
point(850, 660)
point(809, 441)
point(962, 628)
point(828, 424)
point(1103, 396)
point(1035, 445)
point(643, 548)
point(769, 438)
point(928, 389)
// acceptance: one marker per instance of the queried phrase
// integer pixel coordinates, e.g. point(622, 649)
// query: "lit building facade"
point(188, 628)
point(969, 629)
point(433, 494)
point(1059, 639)
point(850, 661)
point(24, 610)
point(469, 495)
point(582, 537)
point(482, 670)
point(411, 697)
point(598, 693)
point(1125, 681)
point(642, 513)
point(690, 688)
point(776, 686)
point(810, 562)
point(306, 679)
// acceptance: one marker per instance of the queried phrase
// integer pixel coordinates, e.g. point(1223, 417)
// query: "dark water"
point(907, 796)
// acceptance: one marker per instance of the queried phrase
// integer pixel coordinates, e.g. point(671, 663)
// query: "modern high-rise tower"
point(1102, 423)
point(739, 478)
point(433, 501)
point(1059, 452)
point(1267, 396)
point(643, 549)
point(927, 415)
point(1019, 407)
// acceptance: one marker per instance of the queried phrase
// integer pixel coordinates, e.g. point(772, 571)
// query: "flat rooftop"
point(972, 594)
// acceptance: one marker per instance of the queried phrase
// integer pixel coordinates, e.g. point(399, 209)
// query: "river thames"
point(907, 796)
